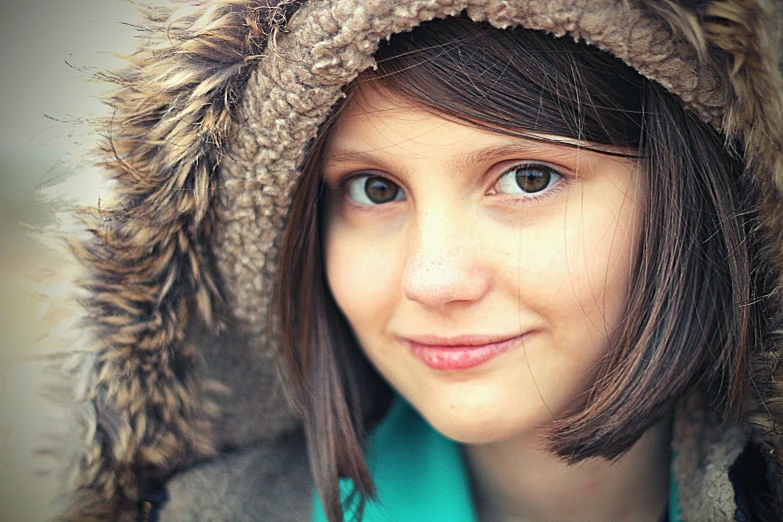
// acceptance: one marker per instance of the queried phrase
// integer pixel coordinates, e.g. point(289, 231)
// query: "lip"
point(459, 353)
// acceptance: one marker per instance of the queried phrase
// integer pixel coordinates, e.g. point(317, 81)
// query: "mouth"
point(459, 353)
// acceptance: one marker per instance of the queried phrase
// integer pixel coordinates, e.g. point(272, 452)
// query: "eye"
point(374, 190)
point(527, 180)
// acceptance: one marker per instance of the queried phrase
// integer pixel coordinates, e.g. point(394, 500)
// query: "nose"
point(445, 265)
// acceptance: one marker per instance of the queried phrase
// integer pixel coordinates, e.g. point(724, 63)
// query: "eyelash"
point(551, 188)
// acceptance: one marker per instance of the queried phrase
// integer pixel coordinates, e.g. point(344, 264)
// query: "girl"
point(520, 260)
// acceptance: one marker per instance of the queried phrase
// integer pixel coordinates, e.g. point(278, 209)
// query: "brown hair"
point(691, 316)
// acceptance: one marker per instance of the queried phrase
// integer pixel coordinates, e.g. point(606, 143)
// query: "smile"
point(459, 353)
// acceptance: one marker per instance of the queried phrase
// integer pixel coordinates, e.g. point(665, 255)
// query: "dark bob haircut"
point(691, 315)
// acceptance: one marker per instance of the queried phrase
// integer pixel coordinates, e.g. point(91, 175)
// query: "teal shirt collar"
point(420, 475)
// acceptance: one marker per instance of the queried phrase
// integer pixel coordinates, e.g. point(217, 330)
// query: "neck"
point(519, 480)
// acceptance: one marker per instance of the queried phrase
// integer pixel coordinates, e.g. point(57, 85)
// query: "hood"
point(208, 125)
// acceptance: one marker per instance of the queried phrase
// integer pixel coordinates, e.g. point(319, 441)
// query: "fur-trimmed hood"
point(176, 368)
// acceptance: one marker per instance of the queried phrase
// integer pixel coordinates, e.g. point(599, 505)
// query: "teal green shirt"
point(419, 474)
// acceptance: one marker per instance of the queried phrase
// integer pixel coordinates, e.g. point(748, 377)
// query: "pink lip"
point(459, 353)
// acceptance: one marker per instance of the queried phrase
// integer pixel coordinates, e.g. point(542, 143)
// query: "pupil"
point(533, 180)
point(380, 190)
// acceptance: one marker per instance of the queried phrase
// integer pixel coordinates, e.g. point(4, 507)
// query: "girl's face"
point(483, 275)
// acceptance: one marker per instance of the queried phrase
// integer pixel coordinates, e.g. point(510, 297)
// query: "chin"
point(484, 425)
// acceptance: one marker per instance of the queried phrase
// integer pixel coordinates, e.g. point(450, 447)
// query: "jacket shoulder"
point(270, 481)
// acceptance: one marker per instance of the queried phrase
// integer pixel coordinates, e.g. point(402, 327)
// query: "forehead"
point(374, 113)
point(379, 127)
point(376, 121)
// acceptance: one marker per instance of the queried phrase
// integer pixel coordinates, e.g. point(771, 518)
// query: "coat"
point(174, 386)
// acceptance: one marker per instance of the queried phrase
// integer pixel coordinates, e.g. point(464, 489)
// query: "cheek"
point(361, 275)
point(599, 258)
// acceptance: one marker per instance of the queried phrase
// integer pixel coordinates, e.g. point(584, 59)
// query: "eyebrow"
point(494, 153)
point(460, 163)
point(350, 156)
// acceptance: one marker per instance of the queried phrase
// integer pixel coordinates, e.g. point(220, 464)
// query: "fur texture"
point(208, 125)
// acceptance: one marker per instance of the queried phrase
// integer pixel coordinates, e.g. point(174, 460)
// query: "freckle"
point(452, 406)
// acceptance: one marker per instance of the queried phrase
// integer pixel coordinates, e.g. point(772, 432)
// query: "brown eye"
point(530, 180)
point(374, 190)
point(527, 180)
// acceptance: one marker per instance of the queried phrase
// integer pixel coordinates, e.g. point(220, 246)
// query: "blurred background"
point(48, 51)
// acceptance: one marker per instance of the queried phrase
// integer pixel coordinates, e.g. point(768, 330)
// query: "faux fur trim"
point(748, 38)
point(150, 274)
point(703, 454)
point(208, 127)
